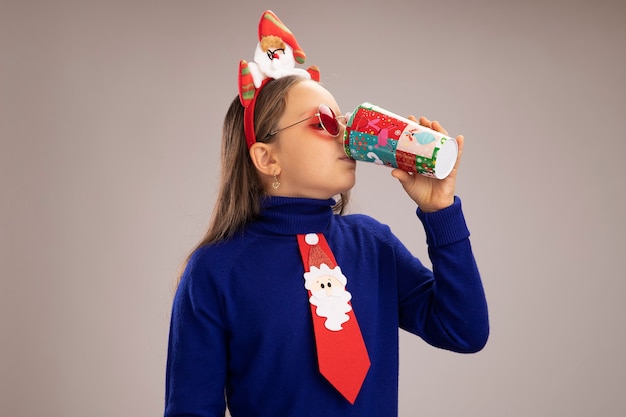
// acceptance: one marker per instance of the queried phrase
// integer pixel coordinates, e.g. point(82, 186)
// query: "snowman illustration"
point(417, 142)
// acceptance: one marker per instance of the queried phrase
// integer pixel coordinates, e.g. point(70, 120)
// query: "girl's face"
point(312, 163)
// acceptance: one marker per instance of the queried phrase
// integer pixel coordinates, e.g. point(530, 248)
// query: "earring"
point(275, 184)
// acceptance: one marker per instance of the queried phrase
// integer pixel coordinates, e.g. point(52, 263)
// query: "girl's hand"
point(430, 194)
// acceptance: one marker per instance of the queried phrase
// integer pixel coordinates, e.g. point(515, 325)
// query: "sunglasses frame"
point(319, 117)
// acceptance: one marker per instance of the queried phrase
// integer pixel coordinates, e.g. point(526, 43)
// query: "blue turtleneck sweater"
point(241, 327)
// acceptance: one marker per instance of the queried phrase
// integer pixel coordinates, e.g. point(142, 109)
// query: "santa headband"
point(275, 56)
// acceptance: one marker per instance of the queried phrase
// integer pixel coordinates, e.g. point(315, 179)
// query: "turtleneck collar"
point(292, 216)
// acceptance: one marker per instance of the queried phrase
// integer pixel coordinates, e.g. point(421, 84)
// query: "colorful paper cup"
point(376, 135)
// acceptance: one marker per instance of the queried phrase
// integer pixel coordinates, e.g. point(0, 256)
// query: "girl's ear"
point(263, 158)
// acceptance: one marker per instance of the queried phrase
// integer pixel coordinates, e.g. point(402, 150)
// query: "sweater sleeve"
point(196, 362)
point(445, 306)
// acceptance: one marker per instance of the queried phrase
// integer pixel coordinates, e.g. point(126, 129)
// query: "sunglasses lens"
point(329, 121)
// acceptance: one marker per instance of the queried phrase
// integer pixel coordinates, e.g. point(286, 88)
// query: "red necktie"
point(341, 352)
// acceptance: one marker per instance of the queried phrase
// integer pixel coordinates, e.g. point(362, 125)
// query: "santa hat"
point(270, 24)
point(320, 260)
point(317, 256)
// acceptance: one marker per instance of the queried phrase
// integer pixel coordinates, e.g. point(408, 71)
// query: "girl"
point(243, 331)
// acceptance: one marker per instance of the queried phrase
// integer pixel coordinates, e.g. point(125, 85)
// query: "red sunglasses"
point(328, 120)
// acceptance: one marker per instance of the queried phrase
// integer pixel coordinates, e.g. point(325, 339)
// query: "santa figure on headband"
point(275, 56)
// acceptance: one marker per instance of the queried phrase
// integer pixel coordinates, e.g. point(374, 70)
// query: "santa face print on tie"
point(329, 295)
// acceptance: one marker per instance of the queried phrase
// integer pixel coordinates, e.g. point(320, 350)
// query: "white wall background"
point(110, 116)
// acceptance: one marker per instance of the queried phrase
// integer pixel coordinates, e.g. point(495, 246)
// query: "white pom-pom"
point(311, 239)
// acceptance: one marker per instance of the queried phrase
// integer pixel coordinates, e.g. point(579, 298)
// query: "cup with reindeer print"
point(376, 135)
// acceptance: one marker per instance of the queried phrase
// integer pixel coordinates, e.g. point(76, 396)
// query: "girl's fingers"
point(437, 126)
point(425, 122)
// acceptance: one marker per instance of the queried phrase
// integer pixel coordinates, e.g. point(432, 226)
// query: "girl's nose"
point(342, 132)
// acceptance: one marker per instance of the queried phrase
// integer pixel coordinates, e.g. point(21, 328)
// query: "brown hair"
point(241, 190)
